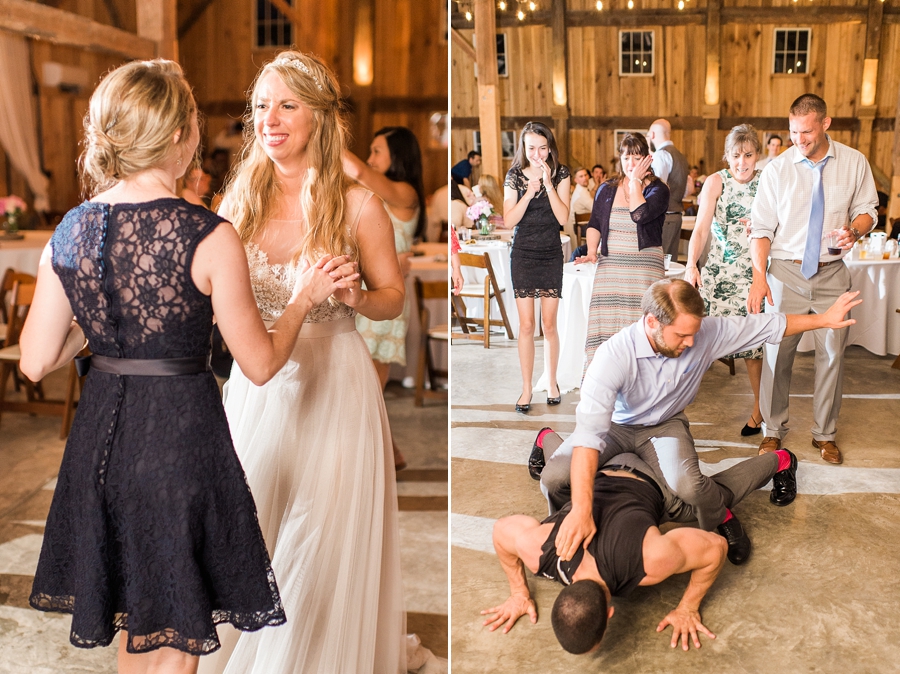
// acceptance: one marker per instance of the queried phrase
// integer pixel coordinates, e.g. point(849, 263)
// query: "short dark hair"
point(775, 136)
point(668, 298)
point(579, 616)
point(597, 166)
point(808, 103)
point(473, 153)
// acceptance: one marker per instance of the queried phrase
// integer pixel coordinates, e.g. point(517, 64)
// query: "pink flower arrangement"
point(12, 205)
point(480, 209)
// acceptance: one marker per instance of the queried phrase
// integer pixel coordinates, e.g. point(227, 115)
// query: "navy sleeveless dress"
point(152, 528)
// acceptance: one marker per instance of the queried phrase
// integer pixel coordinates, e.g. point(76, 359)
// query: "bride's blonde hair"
point(251, 190)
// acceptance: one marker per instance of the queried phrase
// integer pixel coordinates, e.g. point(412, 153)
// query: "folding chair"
point(487, 291)
point(581, 221)
point(430, 290)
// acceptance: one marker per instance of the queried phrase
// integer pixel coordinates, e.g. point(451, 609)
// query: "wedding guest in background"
point(816, 187)
point(670, 166)
point(724, 214)
point(462, 170)
point(598, 177)
point(536, 203)
point(624, 238)
point(394, 173)
point(773, 149)
point(582, 200)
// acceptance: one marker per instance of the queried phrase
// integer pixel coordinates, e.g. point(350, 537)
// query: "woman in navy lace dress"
point(152, 529)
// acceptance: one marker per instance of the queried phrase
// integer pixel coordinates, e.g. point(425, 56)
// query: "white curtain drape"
point(18, 127)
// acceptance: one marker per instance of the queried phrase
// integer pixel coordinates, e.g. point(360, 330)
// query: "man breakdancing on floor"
point(633, 399)
point(629, 503)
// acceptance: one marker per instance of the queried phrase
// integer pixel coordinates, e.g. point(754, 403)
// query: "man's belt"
point(138, 367)
point(821, 264)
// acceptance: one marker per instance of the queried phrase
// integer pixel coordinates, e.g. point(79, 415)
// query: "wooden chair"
point(430, 290)
point(489, 290)
point(730, 363)
point(21, 298)
point(581, 221)
point(10, 278)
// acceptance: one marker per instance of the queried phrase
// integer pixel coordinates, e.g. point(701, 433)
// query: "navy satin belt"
point(137, 367)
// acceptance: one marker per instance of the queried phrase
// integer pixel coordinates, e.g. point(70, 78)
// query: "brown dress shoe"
point(769, 444)
point(829, 451)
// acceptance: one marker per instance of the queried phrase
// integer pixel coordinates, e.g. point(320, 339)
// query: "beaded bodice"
point(273, 285)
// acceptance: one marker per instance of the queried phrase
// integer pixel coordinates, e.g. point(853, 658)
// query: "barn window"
point(791, 51)
point(273, 29)
point(635, 52)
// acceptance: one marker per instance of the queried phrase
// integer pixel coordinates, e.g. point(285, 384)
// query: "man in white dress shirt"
point(815, 187)
point(773, 148)
point(582, 201)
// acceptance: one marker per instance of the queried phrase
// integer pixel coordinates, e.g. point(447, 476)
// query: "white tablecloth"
point(877, 327)
point(499, 254)
point(24, 255)
point(572, 324)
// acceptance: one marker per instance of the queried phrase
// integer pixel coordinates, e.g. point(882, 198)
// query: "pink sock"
point(728, 515)
point(784, 459)
point(540, 438)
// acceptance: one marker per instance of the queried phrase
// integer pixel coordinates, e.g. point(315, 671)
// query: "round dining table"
point(877, 327)
point(23, 255)
point(572, 324)
point(498, 251)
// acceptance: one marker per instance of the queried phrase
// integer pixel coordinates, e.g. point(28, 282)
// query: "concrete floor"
point(30, 453)
point(819, 593)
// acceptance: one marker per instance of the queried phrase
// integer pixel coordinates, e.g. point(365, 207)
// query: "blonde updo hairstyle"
point(133, 117)
point(741, 136)
point(252, 187)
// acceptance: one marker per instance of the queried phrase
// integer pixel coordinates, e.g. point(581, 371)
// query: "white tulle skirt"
point(316, 447)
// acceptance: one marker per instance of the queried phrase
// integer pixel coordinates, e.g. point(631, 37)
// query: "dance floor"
point(30, 452)
point(819, 592)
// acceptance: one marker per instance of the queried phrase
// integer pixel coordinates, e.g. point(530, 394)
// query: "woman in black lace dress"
point(153, 529)
point(536, 203)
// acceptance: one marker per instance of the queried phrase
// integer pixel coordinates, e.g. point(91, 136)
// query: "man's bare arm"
point(507, 530)
point(578, 527)
point(759, 288)
point(681, 550)
point(833, 318)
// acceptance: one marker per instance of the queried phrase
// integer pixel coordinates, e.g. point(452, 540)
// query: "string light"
point(680, 4)
point(600, 5)
point(631, 4)
point(502, 5)
point(521, 15)
point(469, 14)
point(531, 6)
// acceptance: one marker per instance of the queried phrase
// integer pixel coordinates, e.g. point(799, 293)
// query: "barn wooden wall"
point(216, 51)
point(600, 100)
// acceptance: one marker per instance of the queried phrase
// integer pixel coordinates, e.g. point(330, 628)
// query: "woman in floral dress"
point(724, 282)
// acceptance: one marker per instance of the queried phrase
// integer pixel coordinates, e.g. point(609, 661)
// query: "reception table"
point(499, 254)
point(24, 255)
point(877, 327)
point(572, 324)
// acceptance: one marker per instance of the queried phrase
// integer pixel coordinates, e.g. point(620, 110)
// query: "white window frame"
point(508, 136)
point(504, 70)
point(284, 21)
point(652, 52)
point(797, 29)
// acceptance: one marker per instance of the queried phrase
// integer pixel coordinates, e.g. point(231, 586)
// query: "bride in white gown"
point(315, 442)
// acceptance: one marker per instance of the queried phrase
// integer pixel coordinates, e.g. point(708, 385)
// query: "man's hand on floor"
point(684, 622)
point(509, 612)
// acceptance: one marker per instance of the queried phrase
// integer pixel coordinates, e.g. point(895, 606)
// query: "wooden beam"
point(504, 20)
point(488, 87)
point(894, 200)
point(688, 123)
point(55, 25)
point(196, 13)
point(797, 15)
point(711, 108)
point(113, 12)
point(157, 20)
point(461, 42)
point(873, 29)
point(644, 17)
point(560, 92)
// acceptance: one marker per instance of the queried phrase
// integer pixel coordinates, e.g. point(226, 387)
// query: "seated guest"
point(491, 192)
point(633, 399)
point(458, 205)
point(629, 503)
point(598, 177)
point(582, 200)
point(462, 171)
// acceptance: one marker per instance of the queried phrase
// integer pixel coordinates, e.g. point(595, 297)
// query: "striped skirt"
point(621, 279)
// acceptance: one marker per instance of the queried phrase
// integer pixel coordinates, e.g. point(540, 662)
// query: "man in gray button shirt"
point(814, 188)
point(633, 399)
point(670, 166)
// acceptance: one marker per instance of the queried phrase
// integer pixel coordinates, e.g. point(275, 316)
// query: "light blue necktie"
point(816, 220)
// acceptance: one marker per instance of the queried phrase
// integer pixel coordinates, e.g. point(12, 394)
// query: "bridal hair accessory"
point(300, 65)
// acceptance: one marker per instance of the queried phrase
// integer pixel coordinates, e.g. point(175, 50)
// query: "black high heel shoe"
point(554, 401)
point(523, 409)
point(748, 430)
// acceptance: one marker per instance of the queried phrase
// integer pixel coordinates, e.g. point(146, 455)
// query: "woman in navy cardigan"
point(626, 226)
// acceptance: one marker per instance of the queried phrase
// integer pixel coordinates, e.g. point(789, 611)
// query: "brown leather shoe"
point(769, 444)
point(829, 451)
